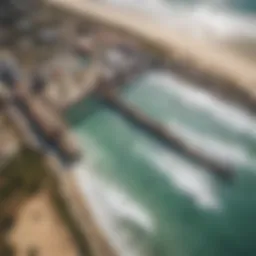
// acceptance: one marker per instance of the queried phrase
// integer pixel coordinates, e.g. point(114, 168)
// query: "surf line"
point(167, 137)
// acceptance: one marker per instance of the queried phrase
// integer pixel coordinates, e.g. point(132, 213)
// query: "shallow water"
point(151, 200)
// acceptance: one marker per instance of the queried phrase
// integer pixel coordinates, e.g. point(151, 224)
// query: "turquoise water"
point(152, 201)
point(242, 6)
point(247, 6)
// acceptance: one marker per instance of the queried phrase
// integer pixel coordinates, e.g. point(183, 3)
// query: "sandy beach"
point(203, 57)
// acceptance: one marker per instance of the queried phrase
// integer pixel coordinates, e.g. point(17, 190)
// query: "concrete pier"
point(166, 136)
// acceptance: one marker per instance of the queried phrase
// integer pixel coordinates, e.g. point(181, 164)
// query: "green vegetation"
point(23, 175)
point(19, 180)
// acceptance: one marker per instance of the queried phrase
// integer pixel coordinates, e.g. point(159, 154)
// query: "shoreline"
point(68, 196)
point(79, 209)
point(216, 67)
point(176, 49)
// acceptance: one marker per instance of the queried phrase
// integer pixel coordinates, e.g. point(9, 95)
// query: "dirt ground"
point(38, 230)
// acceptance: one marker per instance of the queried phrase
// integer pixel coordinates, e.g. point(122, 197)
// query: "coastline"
point(66, 194)
point(78, 204)
point(79, 210)
point(212, 61)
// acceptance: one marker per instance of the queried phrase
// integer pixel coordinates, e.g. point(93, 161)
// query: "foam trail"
point(190, 180)
point(109, 205)
point(232, 117)
point(213, 147)
point(204, 19)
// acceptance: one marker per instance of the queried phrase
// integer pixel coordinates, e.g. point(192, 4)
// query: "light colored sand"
point(38, 226)
point(207, 58)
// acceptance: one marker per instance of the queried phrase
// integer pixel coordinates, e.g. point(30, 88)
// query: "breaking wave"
point(112, 208)
point(202, 18)
point(189, 179)
point(232, 117)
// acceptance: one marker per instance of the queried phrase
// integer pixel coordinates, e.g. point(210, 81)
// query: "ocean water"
point(151, 201)
point(148, 199)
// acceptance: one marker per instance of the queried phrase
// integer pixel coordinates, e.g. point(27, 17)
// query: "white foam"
point(205, 19)
point(110, 204)
point(233, 117)
point(212, 146)
point(189, 179)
